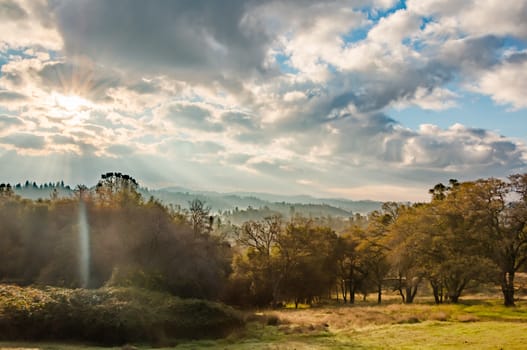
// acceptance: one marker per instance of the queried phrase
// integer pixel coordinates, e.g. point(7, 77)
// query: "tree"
point(496, 211)
point(260, 238)
point(405, 254)
point(6, 190)
point(350, 263)
point(117, 188)
point(375, 257)
point(199, 217)
point(307, 261)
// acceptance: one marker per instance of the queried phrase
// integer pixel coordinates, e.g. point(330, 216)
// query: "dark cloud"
point(237, 158)
point(243, 120)
point(62, 140)
point(14, 78)
point(120, 150)
point(6, 122)
point(7, 96)
point(193, 117)
point(11, 11)
point(143, 87)
point(479, 52)
point(24, 140)
point(193, 38)
point(82, 78)
point(189, 149)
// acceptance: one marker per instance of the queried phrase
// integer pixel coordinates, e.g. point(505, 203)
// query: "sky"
point(357, 99)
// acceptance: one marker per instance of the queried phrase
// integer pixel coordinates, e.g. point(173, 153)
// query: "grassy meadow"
point(475, 323)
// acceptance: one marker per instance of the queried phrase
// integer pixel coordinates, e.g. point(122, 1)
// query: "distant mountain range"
point(242, 200)
point(231, 202)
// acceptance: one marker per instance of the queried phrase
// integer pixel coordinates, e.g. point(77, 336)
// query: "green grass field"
point(476, 324)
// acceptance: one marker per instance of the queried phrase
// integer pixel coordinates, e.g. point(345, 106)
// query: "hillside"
point(228, 203)
point(303, 204)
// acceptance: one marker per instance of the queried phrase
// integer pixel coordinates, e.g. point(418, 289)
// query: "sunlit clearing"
point(84, 246)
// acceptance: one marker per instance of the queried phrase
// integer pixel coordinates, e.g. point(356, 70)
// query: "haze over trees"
point(469, 234)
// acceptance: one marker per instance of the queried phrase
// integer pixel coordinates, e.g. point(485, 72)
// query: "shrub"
point(109, 316)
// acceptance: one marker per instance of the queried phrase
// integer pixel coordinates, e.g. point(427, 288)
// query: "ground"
point(473, 324)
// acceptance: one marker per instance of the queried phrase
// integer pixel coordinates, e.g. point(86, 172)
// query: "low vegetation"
point(110, 316)
point(473, 324)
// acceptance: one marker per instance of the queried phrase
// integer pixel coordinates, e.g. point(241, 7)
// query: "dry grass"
point(474, 324)
point(346, 318)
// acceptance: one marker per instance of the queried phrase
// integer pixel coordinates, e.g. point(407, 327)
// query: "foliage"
point(131, 242)
point(469, 234)
point(109, 316)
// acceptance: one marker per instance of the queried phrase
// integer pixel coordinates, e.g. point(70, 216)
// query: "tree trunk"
point(352, 294)
point(454, 297)
point(352, 287)
point(344, 288)
point(379, 293)
point(437, 289)
point(409, 298)
point(507, 287)
point(410, 294)
point(402, 295)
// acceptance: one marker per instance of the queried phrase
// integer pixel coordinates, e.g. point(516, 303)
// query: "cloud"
point(7, 122)
point(10, 10)
point(381, 193)
point(62, 140)
point(78, 78)
point(295, 94)
point(193, 116)
point(120, 150)
point(378, 142)
point(8, 96)
point(24, 141)
point(436, 99)
point(506, 83)
point(474, 16)
point(29, 24)
point(192, 39)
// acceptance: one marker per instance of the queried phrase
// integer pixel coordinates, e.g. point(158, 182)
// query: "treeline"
point(468, 234)
point(131, 242)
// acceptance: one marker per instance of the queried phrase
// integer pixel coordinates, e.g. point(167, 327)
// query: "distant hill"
point(302, 204)
point(240, 205)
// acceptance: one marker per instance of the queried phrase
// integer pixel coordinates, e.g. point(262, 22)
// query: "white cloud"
point(393, 29)
point(382, 193)
point(476, 17)
point(294, 96)
point(26, 23)
point(506, 83)
point(437, 99)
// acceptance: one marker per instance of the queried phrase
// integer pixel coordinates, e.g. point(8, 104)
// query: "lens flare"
point(84, 246)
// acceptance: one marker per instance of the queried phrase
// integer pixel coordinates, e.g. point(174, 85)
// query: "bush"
point(109, 316)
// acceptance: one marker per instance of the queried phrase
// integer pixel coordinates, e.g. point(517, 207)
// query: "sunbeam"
point(84, 246)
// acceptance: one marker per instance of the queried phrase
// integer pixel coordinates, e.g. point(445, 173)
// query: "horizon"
point(362, 100)
point(178, 189)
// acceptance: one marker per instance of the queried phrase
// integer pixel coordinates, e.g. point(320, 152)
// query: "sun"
point(71, 103)
point(70, 108)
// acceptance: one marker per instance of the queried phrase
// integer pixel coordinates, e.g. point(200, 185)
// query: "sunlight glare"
point(71, 103)
point(84, 246)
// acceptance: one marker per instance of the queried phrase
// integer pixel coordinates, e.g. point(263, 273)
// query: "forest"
point(469, 234)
